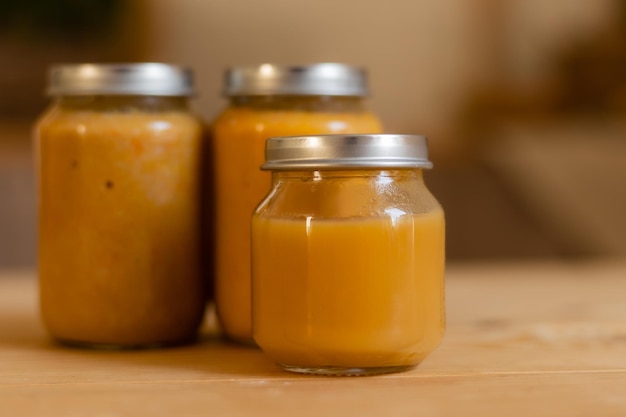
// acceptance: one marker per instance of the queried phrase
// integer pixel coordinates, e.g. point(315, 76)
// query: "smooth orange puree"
point(353, 292)
point(239, 141)
point(119, 226)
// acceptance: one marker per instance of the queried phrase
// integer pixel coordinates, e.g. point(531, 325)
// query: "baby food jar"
point(348, 255)
point(119, 158)
point(267, 101)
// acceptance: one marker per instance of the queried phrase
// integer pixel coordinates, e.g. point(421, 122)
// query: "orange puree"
point(239, 139)
point(119, 225)
point(349, 292)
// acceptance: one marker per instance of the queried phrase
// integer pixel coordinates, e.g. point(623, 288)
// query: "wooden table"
point(543, 339)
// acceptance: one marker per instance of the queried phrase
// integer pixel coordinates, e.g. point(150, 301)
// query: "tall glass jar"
point(267, 101)
point(119, 157)
point(348, 255)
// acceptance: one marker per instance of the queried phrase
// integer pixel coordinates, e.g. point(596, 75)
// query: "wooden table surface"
point(544, 339)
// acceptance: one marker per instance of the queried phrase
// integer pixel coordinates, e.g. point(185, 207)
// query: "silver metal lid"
point(120, 79)
point(328, 79)
point(346, 152)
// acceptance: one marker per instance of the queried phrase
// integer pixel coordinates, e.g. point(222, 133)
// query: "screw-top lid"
point(153, 79)
point(329, 79)
point(346, 152)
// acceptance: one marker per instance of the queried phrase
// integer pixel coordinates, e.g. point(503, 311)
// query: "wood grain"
point(535, 339)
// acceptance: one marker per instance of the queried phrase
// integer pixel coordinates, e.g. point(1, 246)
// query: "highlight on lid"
point(347, 151)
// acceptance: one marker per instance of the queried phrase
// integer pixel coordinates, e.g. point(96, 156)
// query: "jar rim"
point(148, 78)
point(324, 152)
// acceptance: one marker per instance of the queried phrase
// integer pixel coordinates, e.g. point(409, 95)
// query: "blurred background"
point(524, 101)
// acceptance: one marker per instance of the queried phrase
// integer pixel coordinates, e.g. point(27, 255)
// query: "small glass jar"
point(267, 101)
point(348, 255)
point(119, 161)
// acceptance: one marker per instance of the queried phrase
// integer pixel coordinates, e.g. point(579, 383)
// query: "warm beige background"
point(455, 70)
point(423, 55)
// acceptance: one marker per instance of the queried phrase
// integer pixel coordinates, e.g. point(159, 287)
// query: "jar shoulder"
point(280, 122)
point(353, 197)
point(85, 121)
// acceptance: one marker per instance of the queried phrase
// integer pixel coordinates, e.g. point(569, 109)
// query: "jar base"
point(341, 371)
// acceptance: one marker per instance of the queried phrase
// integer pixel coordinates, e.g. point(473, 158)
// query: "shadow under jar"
point(348, 255)
point(119, 158)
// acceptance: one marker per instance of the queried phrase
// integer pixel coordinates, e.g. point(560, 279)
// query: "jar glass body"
point(348, 270)
point(238, 141)
point(119, 214)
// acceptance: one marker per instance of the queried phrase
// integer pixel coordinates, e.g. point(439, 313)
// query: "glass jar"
point(119, 160)
point(348, 255)
point(267, 101)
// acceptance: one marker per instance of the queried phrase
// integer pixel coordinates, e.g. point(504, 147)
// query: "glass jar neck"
point(299, 102)
point(123, 103)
